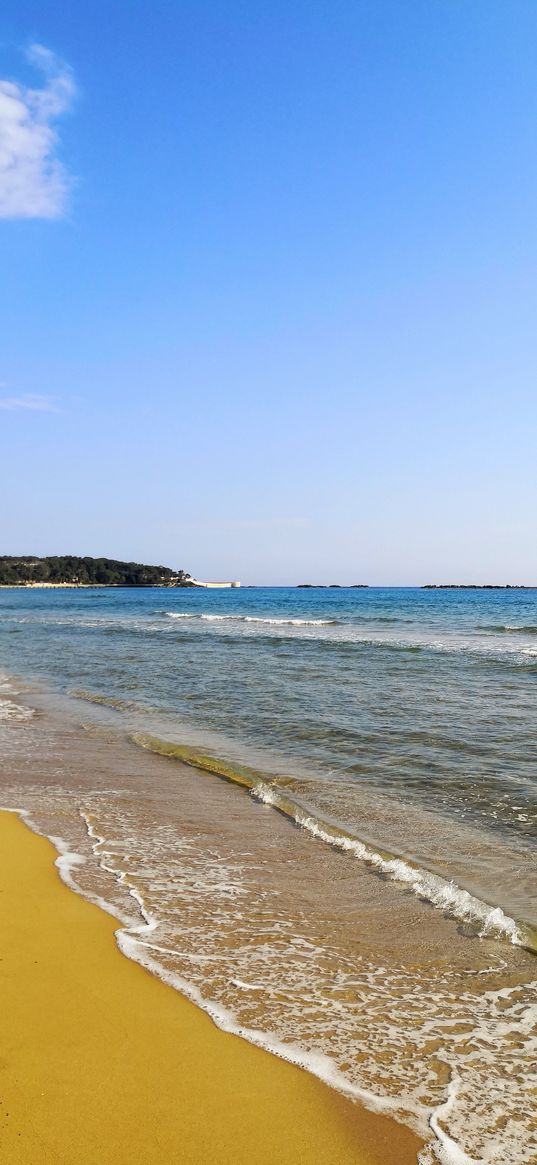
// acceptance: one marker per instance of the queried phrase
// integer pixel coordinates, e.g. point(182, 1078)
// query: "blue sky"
point(269, 286)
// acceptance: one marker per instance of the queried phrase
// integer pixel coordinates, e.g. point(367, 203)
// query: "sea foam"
point(252, 619)
point(445, 895)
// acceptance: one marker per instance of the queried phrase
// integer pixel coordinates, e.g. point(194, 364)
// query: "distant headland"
point(70, 571)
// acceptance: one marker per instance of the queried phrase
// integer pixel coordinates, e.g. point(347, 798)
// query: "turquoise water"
point(429, 695)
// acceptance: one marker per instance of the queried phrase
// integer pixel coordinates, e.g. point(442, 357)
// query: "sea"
point(314, 812)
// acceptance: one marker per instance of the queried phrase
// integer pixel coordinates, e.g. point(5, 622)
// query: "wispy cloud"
point(33, 182)
point(31, 401)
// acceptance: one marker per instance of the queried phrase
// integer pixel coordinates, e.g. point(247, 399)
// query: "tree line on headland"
point(477, 587)
point(67, 569)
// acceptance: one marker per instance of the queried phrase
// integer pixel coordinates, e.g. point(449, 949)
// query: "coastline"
point(57, 586)
point(72, 586)
point(98, 1052)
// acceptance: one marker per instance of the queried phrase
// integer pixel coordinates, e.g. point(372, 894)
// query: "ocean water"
point(381, 928)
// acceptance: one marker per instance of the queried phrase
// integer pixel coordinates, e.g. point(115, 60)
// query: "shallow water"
point(376, 929)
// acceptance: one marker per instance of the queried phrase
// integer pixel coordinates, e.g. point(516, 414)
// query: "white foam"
point(292, 622)
point(22, 813)
point(265, 793)
point(446, 896)
point(66, 862)
point(318, 1064)
point(246, 986)
point(11, 711)
point(446, 1150)
point(432, 888)
point(132, 942)
point(251, 619)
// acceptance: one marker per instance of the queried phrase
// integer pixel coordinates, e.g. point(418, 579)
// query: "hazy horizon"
point(270, 305)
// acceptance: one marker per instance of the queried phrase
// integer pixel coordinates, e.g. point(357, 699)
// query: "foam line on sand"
point(102, 1062)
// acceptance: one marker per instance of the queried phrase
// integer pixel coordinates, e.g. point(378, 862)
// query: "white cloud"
point(32, 401)
point(33, 182)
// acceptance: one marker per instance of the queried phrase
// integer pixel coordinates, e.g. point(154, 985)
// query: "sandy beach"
point(101, 1061)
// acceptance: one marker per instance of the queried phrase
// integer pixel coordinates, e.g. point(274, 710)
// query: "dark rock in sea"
point(332, 586)
point(477, 587)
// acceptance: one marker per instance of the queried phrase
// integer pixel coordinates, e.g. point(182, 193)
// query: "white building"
point(214, 585)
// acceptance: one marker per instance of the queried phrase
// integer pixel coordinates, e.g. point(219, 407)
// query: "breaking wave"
point(510, 628)
point(445, 895)
point(252, 619)
point(11, 711)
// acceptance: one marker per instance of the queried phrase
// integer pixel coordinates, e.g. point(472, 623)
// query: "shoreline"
point(79, 1074)
point(71, 586)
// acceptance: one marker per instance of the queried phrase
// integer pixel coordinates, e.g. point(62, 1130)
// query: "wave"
point(114, 702)
point(352, 637)
point(11, 711)
point(447, 896)
point(509, 628)
point(252, 619)
point(96, 698)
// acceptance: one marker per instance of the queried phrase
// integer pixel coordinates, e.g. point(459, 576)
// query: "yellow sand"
point(101, 1063)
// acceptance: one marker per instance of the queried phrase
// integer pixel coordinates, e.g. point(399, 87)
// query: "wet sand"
point(101, 1061)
